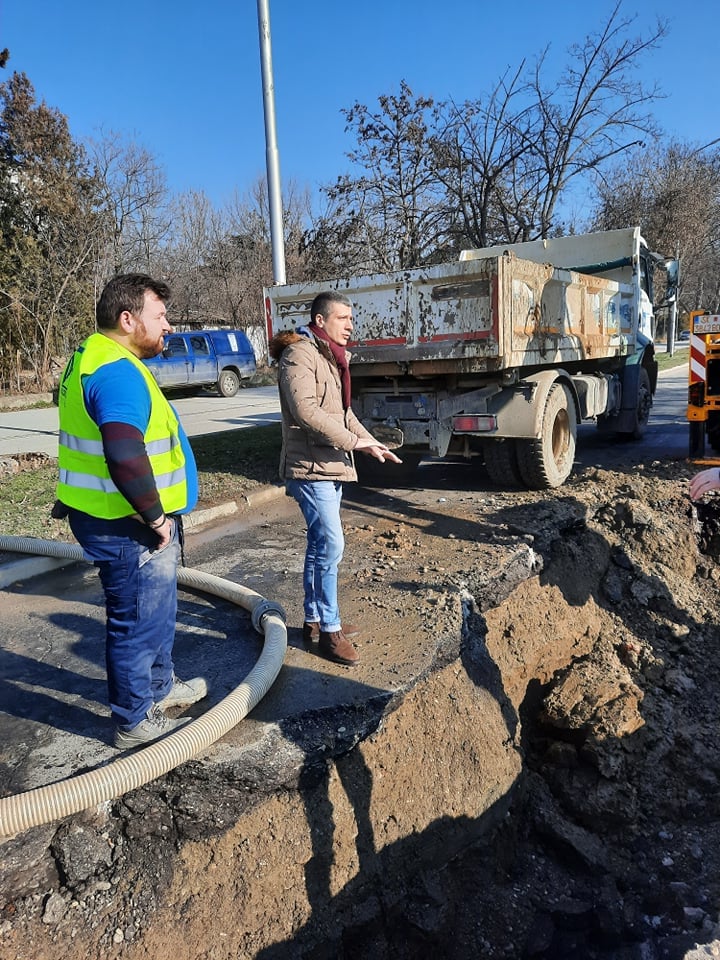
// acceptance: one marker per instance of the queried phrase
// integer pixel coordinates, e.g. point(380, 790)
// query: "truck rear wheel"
point(501, 462)
point(228, 383)
point(547, 462)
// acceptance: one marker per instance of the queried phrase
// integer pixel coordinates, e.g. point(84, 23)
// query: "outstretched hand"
point(377, 450)
point(704, 482)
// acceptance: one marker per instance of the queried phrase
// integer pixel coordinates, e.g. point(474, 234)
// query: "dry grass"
point(234, 461)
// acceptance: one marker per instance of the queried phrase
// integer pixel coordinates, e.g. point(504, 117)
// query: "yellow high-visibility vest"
point(85, 482)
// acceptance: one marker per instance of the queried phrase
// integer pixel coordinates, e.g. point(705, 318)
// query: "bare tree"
point(217, 261)
point(133, 199)
point(598, 111)
point(434, 178)
point(673, 192)
point(391, 207)
point(242, 260)
point(508, 159)
point(184, 255)
point(478, 150)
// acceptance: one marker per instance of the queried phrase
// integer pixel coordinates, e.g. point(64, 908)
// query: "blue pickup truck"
point(204, 358)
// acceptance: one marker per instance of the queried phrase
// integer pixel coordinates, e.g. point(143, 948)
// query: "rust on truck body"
point(480, 315)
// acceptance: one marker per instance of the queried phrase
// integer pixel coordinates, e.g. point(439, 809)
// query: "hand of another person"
point(704, 482)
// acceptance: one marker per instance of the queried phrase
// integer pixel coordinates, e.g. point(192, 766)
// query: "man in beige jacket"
point(320, 435)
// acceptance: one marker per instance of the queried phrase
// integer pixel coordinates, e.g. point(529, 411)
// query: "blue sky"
point(183, 79)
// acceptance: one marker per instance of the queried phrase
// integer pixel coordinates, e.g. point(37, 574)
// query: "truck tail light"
point(476, 424)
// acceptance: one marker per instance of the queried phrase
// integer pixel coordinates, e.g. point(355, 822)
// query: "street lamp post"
point(272, 157)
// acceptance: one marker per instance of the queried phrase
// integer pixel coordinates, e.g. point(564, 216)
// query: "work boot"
point(184, 693)
point(311, 632)
point(155, 725)
point(335, 646)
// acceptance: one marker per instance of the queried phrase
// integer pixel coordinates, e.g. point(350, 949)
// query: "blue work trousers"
point(319, 501)
point(140, 585)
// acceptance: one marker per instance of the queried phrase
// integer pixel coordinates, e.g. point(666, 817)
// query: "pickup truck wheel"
point(228, 383)
point(501, 462)
point(547, 462)
point(372, 473)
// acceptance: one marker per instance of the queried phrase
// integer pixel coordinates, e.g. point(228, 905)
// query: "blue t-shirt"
point(117, 393)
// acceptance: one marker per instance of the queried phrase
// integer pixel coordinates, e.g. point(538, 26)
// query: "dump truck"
point(502, 352)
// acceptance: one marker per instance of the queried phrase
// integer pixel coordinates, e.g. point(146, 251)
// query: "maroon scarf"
point(341, 359)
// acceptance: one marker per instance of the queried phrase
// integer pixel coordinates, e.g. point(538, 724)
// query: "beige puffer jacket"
point(318, 435)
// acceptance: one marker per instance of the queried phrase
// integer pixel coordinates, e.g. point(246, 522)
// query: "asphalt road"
point(667, 434)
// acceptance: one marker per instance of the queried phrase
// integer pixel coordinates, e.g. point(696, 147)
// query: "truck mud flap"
point(637, 393)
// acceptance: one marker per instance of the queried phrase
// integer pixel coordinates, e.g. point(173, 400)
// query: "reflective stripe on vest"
point(95, 447)
point(85, 481)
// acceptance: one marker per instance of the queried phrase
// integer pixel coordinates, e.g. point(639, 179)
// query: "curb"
point(15, 571)
point(254, 498)
point(28, 566)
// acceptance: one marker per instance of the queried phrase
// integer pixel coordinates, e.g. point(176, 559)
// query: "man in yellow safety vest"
point(126, 474)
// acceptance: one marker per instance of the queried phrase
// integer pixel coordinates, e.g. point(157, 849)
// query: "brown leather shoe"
point(335, 646)
point(311, 632)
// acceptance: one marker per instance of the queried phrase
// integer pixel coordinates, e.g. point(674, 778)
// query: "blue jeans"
point(140, 585)
point(320, 504)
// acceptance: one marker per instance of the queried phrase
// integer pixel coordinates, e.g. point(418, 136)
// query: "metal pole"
point(672, 314)
point(272, 158)
point(672, 328)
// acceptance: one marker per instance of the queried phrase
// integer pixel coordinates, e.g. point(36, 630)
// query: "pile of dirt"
point(615, 847)
point(612, 848)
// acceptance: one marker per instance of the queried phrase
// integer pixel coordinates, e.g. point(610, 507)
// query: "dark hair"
point(322, 304)
point(126, 291)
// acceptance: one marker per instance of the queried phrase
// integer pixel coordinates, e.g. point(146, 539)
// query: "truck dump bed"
point(474, 315)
